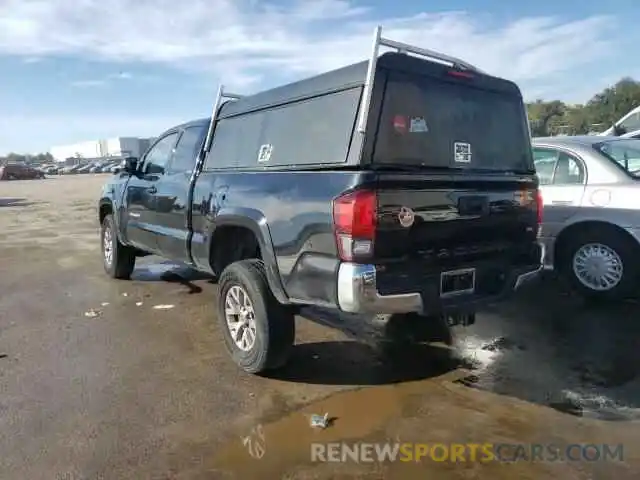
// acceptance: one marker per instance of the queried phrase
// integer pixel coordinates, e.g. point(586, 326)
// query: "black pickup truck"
point(395, 186)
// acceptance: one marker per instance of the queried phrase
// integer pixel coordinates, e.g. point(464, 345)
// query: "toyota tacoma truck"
point(401, 185)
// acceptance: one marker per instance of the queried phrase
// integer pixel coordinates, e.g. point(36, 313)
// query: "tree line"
point(546, 117)
point(597, 115)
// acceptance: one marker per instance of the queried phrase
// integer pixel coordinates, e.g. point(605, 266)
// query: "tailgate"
point(429, 224)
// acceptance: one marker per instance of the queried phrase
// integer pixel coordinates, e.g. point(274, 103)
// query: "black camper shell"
point(319, 115)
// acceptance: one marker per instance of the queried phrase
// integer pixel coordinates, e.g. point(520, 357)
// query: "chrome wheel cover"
point(598, 267)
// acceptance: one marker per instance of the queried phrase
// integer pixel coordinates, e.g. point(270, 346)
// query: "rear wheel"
point(119, 260)
point(600, 264)
point(259, 332)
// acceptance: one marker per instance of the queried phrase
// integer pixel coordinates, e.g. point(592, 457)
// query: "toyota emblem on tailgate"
point(406, 217)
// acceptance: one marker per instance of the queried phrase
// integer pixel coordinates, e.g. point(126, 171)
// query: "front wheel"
point(600, 264)
point(119, 260)
point(258, 331)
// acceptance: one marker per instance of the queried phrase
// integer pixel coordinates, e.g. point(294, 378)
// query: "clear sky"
point(74, 70)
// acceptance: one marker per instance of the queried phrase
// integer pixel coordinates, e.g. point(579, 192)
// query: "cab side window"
point(156, 159)
point(187, 149)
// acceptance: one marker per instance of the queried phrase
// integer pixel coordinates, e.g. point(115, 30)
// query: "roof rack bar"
point(403, 47)
point(380, 41)
point(368, 82)
point(220, 97)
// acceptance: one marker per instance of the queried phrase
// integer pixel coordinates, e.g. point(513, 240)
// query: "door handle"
point(561, 202)
point(152, 189)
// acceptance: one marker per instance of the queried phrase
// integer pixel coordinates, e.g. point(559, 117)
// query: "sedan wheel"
point(600, 262)
point(598, 266)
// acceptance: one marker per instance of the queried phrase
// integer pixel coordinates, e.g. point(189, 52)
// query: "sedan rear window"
point(624, 152)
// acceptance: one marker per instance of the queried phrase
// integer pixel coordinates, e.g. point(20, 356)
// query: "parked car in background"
point(591, 194)
point(628, 126)
point(111, 167)
point(50, 169)
point(16, 171)
point(70, 170)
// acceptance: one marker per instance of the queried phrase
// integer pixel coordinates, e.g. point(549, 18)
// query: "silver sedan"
point(591, 228)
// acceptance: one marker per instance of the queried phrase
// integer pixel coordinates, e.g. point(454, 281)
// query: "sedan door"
point(562, 178)
point(140, 198)
point(568, 184)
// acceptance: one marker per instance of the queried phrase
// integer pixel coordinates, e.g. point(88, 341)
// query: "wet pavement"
point(133, 392)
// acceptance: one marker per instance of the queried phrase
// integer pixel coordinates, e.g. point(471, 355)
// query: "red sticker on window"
point(400, 123)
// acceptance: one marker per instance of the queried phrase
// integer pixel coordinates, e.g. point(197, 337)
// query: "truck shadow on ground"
point(15, 202)
point(154, 270)
point(357, 363)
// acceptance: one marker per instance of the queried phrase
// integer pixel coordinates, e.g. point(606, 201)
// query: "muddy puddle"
point(481, 390)
point(440, 411)
point(567, 373)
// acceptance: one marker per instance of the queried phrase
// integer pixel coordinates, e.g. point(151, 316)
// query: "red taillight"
point(354, 220)
point(539, 206)
point(460, 74)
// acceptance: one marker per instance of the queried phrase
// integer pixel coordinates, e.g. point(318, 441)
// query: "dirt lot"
point(137, 393)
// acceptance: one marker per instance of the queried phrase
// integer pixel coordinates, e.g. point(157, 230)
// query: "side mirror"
point(130, 165)
point(619, 130)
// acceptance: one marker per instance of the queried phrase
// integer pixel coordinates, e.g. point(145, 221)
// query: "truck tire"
point(259, 332)
point(119, 260)
point(606, 249)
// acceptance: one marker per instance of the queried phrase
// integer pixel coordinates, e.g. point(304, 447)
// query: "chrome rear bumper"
point(358, 292)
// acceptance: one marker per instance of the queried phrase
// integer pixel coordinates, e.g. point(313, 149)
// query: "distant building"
point(113, 147)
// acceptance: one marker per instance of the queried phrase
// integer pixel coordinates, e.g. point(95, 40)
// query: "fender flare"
point(255, 221)
point(116, 216)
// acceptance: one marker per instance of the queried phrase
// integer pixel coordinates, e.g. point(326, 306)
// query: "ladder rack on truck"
point(380, 41)
point(220, 97)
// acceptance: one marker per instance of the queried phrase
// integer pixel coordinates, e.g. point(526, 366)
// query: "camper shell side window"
point(308, 132)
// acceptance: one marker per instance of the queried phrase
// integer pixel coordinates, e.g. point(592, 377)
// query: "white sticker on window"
point(264, 154)
point(462, 152)
point(418, 125)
